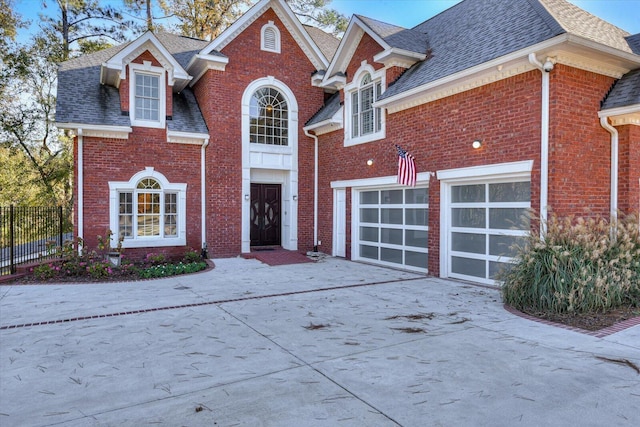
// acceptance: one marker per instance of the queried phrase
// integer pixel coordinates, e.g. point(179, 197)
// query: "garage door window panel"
point(397, 220)
point(486, 220)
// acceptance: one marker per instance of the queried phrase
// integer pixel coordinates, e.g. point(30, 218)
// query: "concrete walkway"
point(332, 343)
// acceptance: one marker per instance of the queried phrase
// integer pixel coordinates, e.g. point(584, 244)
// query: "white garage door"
point(485, 220)
point(391, 227)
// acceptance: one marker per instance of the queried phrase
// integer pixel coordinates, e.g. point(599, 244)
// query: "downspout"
point(604, 122)
point(80, 188)
point(203, 199)
point(315, 189)
point(545, 68)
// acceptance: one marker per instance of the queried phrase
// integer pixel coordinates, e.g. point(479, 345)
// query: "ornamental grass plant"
point(577, 266)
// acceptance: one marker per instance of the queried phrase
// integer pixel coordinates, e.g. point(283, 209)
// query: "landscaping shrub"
point(577, 266)
point(94, 265)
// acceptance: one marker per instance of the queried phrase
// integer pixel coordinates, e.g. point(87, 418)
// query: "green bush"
point(167, 270)
point(191, 256)
point(578, 266)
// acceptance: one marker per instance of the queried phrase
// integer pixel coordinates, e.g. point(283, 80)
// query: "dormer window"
point(270, 38)
point(147, 98)
point(364, 122)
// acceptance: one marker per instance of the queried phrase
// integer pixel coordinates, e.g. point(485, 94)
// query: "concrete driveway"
point(332, 343)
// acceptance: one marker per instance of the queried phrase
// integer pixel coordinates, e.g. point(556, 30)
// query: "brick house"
point(276, 133)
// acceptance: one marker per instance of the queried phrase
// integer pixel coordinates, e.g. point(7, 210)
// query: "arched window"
point(268, 118)
point(270, 38)
point(148, 210)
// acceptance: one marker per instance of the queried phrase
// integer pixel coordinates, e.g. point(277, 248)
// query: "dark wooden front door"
point(265, 214)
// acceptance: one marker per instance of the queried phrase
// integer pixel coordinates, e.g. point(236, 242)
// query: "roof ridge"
point(547, 16)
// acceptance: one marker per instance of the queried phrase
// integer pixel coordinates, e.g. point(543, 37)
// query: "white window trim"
point(376, 76)
point(147, 68)
point(270, 26)
point(116, 187)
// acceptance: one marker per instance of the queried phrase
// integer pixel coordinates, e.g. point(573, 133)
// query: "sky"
point(408, 13)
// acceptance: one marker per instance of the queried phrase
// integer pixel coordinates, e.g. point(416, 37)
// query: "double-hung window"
point(365, 119)
point(366, 122)
point(147, 95)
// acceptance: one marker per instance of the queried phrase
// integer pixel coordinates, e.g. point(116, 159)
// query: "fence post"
point(60, 224)
point(12, 268)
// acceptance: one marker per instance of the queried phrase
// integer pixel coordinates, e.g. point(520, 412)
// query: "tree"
point(206, 19)
point(80, 21)
point(31, 147)
point(317, 13)
point(143, 10)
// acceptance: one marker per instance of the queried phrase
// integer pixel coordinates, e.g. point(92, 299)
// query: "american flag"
point(406, 168)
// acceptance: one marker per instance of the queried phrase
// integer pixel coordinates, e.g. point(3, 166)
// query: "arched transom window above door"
point(268, 117)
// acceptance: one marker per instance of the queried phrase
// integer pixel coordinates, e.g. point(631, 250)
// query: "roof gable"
point(289, 20)
point(114, 69)
point(398, 46)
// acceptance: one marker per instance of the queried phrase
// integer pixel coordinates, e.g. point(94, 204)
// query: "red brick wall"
point(579, 147)
point(118, 160)
point(219, 96)
point(629, 169)
point(505, 115)
point(367, 49)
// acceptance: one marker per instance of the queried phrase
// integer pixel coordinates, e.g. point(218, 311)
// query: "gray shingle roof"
point(634, 43)
point(82, 99)
point(476, 31)
point(330, 107)
point(398, 37)
point(327, 43)
point(473, 32)
point(625, 92)
point(187, 116)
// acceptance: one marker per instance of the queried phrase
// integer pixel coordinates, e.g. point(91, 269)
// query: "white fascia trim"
point(281, 9)
point(581, 41)
point(240, 24)
point(619, 111)
point(482, 172)
point(116, 132)
point(117, 62)
point(496, 64)
point(421, 178)
point(372, 33)
point(400, 57)
point(187, 137)
point(346, 49)
point(325, 126)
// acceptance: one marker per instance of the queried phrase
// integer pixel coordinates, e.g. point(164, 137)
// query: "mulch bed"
point(591, 321)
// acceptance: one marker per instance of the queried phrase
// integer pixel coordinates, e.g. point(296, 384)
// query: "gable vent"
point(270, 38)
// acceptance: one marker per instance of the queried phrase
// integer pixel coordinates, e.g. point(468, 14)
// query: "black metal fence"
point(30, 233)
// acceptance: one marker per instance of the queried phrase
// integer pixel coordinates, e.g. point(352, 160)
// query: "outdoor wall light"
point(295, 198)
point(369, 162)
point(246, 197)
point(476, 144)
